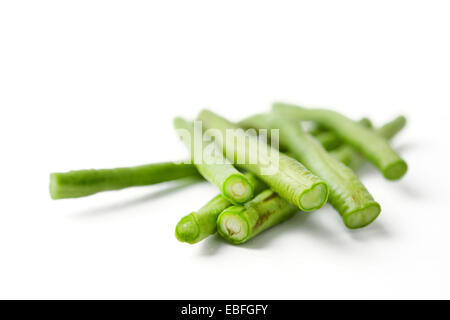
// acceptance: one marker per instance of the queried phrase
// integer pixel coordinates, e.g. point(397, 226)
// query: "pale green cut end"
point(362, 217)
point(314, 198)
point(54, 186)
point(187, 229)
point(396, 170)
point(238, 188)
point(233, 227)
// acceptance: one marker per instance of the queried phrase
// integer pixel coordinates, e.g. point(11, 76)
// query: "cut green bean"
point(352, 158)
point(347, 194)
point(286, 176)
point(238, 224)
point(365, 122)
point(214, 167)
point(375, 148)
point(198, 225)
point(390, 129)
point(328, 139)
point(235, 225)
point(347, 154)
point(316, 129)
point(80, 183)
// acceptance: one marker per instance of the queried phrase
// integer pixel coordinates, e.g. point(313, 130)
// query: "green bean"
point(328, 139)
point(316, 129)
point(347, 194)
point(80, 183)
point(238, 227)
point(238, 224)
point(347, 154)
point(286, 176)
point(198, 225)
point(390, 129)
point(375, 148)
point(214, 167)
point(352, 158)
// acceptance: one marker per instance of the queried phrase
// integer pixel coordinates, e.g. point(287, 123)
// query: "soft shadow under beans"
point(154, 195)
point(301, 224)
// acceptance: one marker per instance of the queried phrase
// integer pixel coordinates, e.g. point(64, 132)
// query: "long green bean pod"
point(328, 139)
point(286, 176)
point(347, 194)
point(238, 224)
point(316, 129)
point(213, 166)
point(347, 154)
point(236, 230)
point(390, 129)
point(375, 148)
point(352, 158)
point(200, 224)
point(80, 183)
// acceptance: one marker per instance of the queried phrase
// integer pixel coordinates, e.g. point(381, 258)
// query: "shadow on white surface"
point(371, 232)
point(212, 245)
point(304, 224)
point(408, 146)
point(411, 190)
point(123, 205)
point(301, 224)
point(366, 170)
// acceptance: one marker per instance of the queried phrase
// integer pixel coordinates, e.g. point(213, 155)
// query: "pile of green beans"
point(316, 166)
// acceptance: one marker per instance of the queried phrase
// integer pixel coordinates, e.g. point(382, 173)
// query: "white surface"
point(92, 84)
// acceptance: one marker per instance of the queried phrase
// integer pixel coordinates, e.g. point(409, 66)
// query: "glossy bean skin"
point(290, 179)
point(81, 183)
point(374, 147)
point(200, 224)
point(214, 167)
point(238, 224)
point(347, 194)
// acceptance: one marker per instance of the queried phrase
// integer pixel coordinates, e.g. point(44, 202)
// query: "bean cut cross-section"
point(283, 174)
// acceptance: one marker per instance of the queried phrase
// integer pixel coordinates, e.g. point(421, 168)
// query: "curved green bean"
point(347, 194)
point(328, 139)
point(237, 228)
point(375, 148)
point(352, 158)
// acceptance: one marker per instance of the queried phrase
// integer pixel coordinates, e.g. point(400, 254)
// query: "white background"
point(95, 84)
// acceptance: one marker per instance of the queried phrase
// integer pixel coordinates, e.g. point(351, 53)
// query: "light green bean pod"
point(347, 194)
point(352, 158)
point(200, 224)
point(238, 227)
point(213, 166)
point(81, 183)
point(375, 148)
point(283, 174)
point(238, 224)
